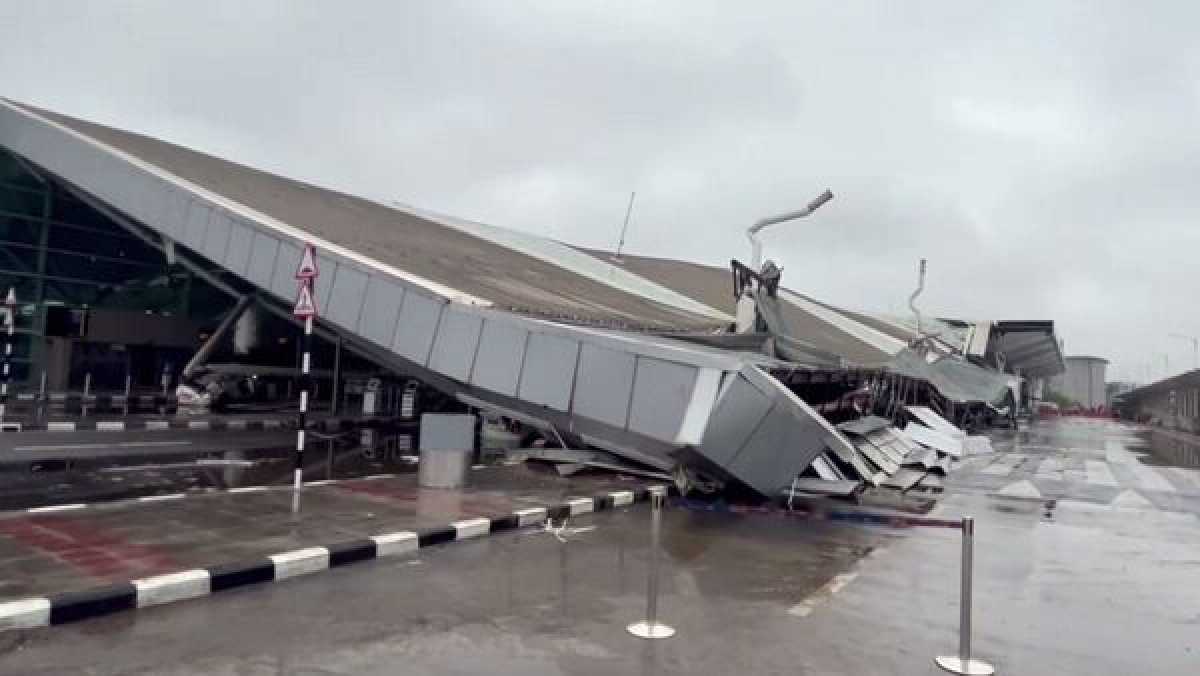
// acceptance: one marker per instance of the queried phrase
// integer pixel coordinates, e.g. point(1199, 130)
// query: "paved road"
point(24, 447)
point(1078, 585)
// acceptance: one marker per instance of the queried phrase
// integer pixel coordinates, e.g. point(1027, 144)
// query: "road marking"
point(1132, 500)
point(805, 607)
point(1150, 479)
point(1188, 479)
point(1098, 473)
point(162, 498)
point(125, 444)
point(56, 508)
point(1020, 489)
point(1004, 465)
point(1050, 468)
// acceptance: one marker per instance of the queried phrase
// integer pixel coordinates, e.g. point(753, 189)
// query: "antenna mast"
point(624, 227)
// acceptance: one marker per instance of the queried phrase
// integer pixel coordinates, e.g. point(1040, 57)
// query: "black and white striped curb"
point(161, 589)
point(207, 491)
point(330, 425)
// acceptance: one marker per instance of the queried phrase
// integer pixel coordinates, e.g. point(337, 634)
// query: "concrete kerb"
point(164, 424)
point(67, 607)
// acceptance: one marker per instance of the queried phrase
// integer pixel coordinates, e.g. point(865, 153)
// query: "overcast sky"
point(1045, 157)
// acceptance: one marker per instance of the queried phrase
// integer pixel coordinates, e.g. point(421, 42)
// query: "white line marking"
point(1150, 479)
point(1131, 500)
point(805, 607)
point(1099, 474)
point(1050, 468)
point(1020, 489)
point(162, 498)
point(247, 489)
point(1004, 465)
point(57, 508)
point(125, 444)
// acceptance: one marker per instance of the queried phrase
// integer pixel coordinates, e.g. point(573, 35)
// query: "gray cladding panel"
point(197, 225)
point(237, 254)
point(419, 316)
point(345, 302)
point(217, 238)
point(498, 363)
point(262, 259)
point(454, 346)
point(604, 385)
point(780, 448)
point(738, 412)
point(549, 370)
point(326, 271)
point(378, 321)
point(172, 222)
point(661, 394)
point(283, 280)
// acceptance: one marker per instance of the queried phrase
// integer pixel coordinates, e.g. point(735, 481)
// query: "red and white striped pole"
point(306, 309)
point(302, 417)
point(10, 321)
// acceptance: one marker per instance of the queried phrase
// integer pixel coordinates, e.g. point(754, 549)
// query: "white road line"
point(1098, 473)
point(80, 447)
point(57, 508)
point(1050, 468)
point(1188, 479)
point(1004, 465)
point(805, 607)
point(1150, 479)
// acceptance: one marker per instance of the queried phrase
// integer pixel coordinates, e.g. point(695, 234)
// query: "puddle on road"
point(1167, 451)
point(69, 480)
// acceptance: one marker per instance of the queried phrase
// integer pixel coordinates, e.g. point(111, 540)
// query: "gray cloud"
point(1041, 155)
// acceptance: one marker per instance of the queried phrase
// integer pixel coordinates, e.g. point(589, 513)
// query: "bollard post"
point(87, 386)
point(651, 627)
point(42, 387)
point(963, 663)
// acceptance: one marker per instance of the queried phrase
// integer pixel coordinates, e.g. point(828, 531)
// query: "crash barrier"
point(962, 663)
point(651, 627)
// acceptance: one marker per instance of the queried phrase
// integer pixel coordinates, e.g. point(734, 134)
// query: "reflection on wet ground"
point(71, 479)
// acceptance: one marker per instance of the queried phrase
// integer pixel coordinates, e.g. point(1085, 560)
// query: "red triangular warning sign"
point(308, 263)
point(305, 305)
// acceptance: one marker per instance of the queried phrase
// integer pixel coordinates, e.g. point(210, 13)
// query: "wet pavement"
point(49, 468)
point(44, 553)
point(1099, 574)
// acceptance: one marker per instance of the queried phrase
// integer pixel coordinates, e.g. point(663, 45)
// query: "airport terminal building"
point(138, 261)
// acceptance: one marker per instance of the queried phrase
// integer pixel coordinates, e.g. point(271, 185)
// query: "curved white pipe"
point(912, 304)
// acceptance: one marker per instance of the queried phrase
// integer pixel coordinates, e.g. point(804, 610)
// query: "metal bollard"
point(963, 663)
point(87, 385)
point(651, 627)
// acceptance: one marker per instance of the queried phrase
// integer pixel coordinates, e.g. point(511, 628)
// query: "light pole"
point(752, 231)
point(1195, 347)
point(746, 313)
